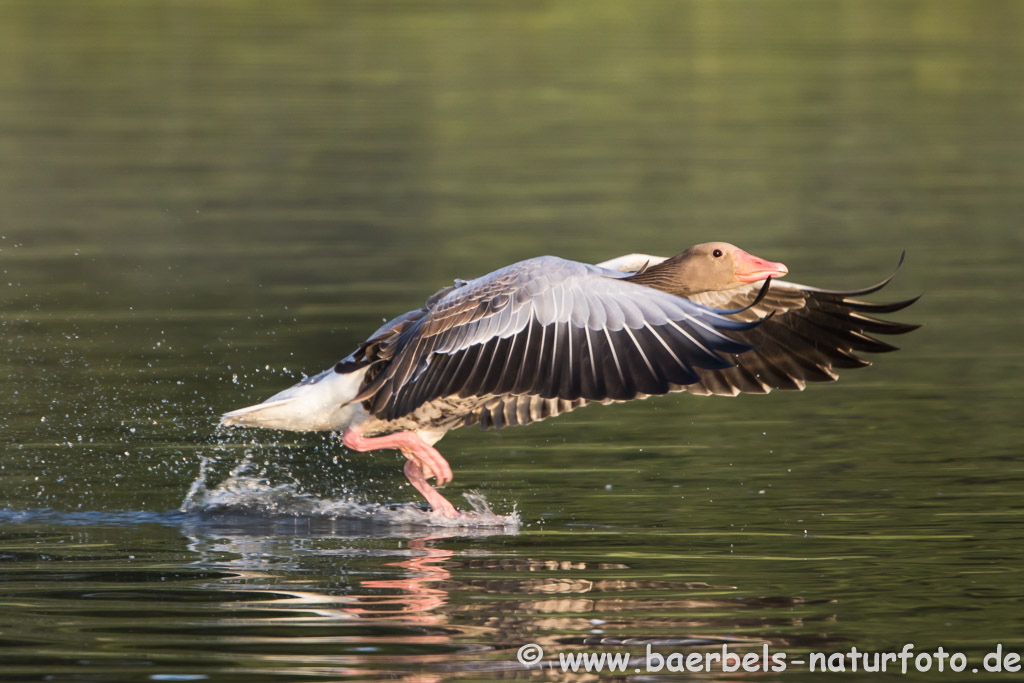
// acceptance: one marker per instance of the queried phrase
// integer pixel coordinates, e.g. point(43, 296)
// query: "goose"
point(547, 335)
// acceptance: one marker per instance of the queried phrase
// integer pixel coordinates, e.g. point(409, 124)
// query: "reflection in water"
point(273, 596)
point(420, 597)
point(373, 596)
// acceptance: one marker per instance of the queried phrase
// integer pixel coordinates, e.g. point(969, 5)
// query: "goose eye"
point(717, 253)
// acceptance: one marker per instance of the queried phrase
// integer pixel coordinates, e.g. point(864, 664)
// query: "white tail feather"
point(319, 403)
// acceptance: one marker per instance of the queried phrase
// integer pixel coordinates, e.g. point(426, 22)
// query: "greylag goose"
point(545, 336)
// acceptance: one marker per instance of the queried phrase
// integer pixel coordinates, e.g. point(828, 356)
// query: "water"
point(201, 202)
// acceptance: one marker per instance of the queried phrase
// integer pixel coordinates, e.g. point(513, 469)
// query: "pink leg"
point(424, 460)
point(437, 502)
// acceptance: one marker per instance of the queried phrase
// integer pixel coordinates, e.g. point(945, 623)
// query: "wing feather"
point(806, 334)
point(584, 325)
point(546, 335)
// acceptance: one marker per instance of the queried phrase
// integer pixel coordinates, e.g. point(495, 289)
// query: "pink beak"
point(750, 268)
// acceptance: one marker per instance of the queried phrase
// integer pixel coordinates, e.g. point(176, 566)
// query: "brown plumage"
point(545, 336)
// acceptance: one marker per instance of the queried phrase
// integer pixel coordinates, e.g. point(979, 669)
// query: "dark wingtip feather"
point(760, 296)
point(867, 290)
point(890, 307)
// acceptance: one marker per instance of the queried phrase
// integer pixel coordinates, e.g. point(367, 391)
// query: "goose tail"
point(319, 403)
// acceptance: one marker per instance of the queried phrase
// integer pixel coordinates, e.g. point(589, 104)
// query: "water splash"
point(243, 492)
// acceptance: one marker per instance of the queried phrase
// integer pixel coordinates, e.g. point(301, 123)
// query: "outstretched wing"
point(548, 328)
point(806, 334)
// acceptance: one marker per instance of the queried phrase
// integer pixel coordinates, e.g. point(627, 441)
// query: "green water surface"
point(200, 201)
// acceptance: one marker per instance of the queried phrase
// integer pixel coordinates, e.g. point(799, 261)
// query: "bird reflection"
point(421, 606)
point(421, 594)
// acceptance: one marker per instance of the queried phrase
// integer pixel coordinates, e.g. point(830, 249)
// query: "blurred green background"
point(199, 201)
